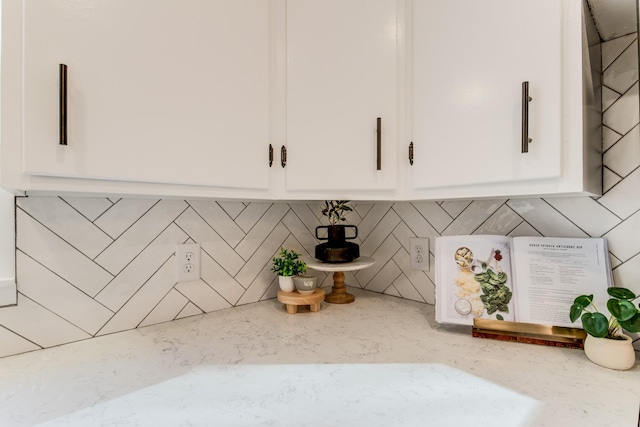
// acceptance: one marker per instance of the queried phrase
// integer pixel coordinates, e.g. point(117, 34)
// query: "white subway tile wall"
point(93, 266)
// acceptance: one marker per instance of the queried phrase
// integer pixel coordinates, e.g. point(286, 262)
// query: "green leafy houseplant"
point(336, 210)
point(288, 263)
point(624, 314)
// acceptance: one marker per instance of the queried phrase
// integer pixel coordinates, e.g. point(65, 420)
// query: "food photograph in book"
point(479, 280)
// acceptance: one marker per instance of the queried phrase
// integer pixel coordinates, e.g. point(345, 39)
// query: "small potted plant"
point(286, 265)
point(337, 249)
point(605, 344)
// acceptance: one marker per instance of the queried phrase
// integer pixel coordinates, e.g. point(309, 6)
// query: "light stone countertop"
point(379, 361)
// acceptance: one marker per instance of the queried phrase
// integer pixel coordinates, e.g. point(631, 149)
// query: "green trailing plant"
point(624, 314)
point(336, 210)
point(288, 263)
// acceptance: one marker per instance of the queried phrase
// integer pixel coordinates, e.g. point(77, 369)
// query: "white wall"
point(614, 18)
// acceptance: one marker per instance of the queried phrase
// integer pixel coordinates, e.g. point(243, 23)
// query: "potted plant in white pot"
point(606, 345)
point(286, 265)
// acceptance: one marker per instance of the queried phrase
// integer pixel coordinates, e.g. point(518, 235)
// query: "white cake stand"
point(339, 293)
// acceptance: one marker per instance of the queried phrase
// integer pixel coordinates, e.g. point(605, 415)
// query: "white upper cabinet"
point(469, 62)
point(467, 90)
point(157, 91)
point(184, 98)
point(341, 76)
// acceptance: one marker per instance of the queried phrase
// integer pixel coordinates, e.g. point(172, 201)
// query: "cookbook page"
point(473, 279)
point(551, 272)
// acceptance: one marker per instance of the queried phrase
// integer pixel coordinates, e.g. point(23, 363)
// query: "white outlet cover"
point(419, 253)
point(187, 262)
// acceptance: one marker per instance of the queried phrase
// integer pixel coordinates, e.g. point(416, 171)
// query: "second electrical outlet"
point(419, 253)
point(187, 262)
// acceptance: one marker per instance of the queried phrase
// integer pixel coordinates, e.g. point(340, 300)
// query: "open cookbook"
point(519, 279)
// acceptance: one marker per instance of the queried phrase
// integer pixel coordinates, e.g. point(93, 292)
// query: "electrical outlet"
point(419, 253)
point(187, 262)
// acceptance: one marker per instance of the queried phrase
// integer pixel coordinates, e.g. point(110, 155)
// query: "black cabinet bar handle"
point(525, 117)
point(411, 153)
point(379, 144)
point(63, 104)
point(270, 155)
point(283, 156)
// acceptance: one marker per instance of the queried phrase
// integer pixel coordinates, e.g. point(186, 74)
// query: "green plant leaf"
point(575, 311)
point(621, 293)
point(288, 263)
point(584, 300)
point(621, 309)
point(595, 324)
point(631, 325)
point(336, 210)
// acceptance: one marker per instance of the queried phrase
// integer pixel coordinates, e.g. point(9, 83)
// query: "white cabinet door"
point(470, 59)
point(341, 77)
point(157, 90)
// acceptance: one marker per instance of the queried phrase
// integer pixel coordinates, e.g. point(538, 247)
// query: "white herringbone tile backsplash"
point(93, 266)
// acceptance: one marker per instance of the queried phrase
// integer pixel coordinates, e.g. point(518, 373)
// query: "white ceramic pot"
point(613, 354)
point(286, 283)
